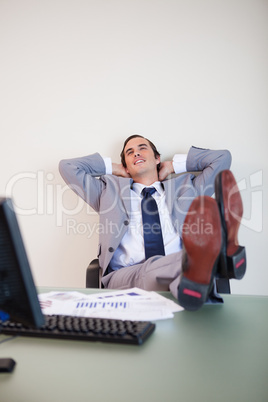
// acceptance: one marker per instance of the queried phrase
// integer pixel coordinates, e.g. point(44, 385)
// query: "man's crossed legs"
point(211, 250)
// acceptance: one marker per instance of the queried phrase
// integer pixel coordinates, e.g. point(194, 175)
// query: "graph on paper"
point(114, 305)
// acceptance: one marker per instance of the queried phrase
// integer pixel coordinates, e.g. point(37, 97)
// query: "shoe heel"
point(192, 295)
point(236, 264)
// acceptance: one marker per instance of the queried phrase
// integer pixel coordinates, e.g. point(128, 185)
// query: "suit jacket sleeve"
point(209, 163)
point(83, 175)
point(202, 165)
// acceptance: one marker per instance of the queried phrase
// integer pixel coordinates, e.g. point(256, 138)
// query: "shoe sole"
point(202, 243)
point(232, 262)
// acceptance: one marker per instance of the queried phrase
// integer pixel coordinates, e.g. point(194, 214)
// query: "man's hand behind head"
point(119, 170)
point(166, 168)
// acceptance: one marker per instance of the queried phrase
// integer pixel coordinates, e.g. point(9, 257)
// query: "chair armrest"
point(93, 274)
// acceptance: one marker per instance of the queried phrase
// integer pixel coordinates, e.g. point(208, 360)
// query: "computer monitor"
point(18, 296)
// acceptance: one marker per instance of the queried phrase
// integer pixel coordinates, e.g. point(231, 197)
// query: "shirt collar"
point(138, 187)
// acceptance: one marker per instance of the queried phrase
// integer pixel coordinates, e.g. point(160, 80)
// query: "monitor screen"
point(18, 296)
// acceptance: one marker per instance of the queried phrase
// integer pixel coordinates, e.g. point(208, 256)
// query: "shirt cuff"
point(108, 165)
point(179, 163)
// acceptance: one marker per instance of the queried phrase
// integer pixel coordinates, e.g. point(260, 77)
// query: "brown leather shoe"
point(232, 262)
point(202, 244)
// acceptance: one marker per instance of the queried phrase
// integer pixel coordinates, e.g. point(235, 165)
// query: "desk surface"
point(219, 353)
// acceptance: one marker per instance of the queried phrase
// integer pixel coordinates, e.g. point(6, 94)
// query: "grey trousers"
point(158, 273)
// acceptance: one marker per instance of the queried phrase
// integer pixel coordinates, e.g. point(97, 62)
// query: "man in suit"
point(188, 216)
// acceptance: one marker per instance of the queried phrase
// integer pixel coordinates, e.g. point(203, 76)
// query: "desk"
point(219, 353)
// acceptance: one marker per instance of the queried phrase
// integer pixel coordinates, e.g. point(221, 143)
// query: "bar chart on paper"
point(134, 304)
point(101, 305)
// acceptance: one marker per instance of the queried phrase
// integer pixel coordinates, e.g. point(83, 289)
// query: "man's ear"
point(158, 161)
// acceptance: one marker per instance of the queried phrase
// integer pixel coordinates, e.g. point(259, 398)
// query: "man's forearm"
point(199, 159)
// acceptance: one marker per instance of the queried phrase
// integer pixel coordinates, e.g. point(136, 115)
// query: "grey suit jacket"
point(109, 195)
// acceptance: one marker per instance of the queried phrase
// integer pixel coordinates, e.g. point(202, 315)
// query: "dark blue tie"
point(152, 233)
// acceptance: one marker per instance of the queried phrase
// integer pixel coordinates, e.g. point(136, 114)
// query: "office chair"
point(93, 274)
point(93, 278)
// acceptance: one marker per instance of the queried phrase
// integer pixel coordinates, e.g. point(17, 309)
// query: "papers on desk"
point(130, 304)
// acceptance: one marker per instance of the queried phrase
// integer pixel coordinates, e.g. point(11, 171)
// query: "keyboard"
point(84, 329)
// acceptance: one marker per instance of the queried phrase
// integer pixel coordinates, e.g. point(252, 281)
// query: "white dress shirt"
point(131, 250)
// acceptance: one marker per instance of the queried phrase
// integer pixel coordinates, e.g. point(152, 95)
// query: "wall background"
point(79, 76)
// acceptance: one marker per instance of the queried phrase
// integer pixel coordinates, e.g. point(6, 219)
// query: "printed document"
point(131, 304)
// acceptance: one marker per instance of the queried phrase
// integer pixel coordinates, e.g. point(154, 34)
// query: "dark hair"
point(122, 155)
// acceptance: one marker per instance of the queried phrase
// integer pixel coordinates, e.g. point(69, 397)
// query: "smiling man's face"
point(141, 163)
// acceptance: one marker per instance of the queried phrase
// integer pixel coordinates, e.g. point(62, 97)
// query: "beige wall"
point(79, 76)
